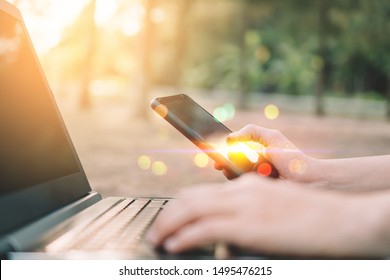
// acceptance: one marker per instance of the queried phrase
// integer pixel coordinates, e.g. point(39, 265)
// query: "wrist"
point(315, 173)
point(328, 173)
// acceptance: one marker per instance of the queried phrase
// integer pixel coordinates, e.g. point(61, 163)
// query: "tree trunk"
point(181, 41)
point(145, 79)
point(243, 82)
point(388, 99)
point(85, 98)
point(323, 32)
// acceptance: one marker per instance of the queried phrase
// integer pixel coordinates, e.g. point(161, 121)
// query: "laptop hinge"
point(28, 236)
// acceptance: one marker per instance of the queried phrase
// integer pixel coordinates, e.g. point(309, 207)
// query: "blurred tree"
point(181, 41)
point(90, 49)
point(363, 57)
point(244, 87)
point(314, 47)
point(146, 58)
point(323, 52)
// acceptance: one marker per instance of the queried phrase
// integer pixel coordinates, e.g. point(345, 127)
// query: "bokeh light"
point(297, 166)
point(263, 54)
point(159, 168)
point(163, 134)
point(264, 169)
point(201, 160)
point(230, 109)
point(144, 162)
point(271, 112)
point(220, 114)
point(224, 113)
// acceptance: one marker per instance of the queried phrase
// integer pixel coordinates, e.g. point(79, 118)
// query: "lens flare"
point(271, 112)
point(144, 162)
point(159, 168)
point(201, 160)
point(240, 147)
point(258, 147)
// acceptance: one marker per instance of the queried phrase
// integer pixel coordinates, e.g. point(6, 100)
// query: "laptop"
point(47, 207)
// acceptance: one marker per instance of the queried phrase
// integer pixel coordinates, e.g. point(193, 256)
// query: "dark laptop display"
point(39, 169)
point(47, 208)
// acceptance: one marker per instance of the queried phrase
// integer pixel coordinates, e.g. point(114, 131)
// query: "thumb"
point(251, 133)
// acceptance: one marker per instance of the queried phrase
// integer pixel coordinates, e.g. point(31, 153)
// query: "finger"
point(178, 215)
point(194, 205)
point(218, 166)
point(200, 233)
point(229, 175)
point(254, 133)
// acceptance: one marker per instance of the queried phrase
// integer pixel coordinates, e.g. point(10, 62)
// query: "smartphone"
point(209, 134)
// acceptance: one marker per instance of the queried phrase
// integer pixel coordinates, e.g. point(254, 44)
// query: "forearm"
point(344, 226)
point(357, 174)
point(368, 232)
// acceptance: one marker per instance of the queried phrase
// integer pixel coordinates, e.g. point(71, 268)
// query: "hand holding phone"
point(210, 135)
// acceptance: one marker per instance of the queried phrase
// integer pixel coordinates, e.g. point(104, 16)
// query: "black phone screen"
point(206, 132)
point(200, 123)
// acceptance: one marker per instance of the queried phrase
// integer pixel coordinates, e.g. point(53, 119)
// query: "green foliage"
point(275, 46)
point(247, 46)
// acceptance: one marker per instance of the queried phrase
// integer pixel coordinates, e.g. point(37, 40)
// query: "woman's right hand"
point(290, 162)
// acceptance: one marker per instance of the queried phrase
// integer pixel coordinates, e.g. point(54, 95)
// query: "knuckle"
point(275, 133)
point(250, 127)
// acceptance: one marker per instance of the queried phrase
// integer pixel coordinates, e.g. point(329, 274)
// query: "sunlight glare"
point(127, 19)
point(158, 15)
point(240, 147)
point(131, 27)
point(60, 14)
point(236, 148)
point(105, 11)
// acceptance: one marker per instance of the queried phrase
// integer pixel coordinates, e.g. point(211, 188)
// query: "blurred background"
point(318, 70)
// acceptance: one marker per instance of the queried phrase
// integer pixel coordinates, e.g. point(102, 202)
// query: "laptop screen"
point(35, 151)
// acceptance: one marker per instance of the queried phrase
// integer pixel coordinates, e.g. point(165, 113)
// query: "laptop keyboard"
point(122, 227)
